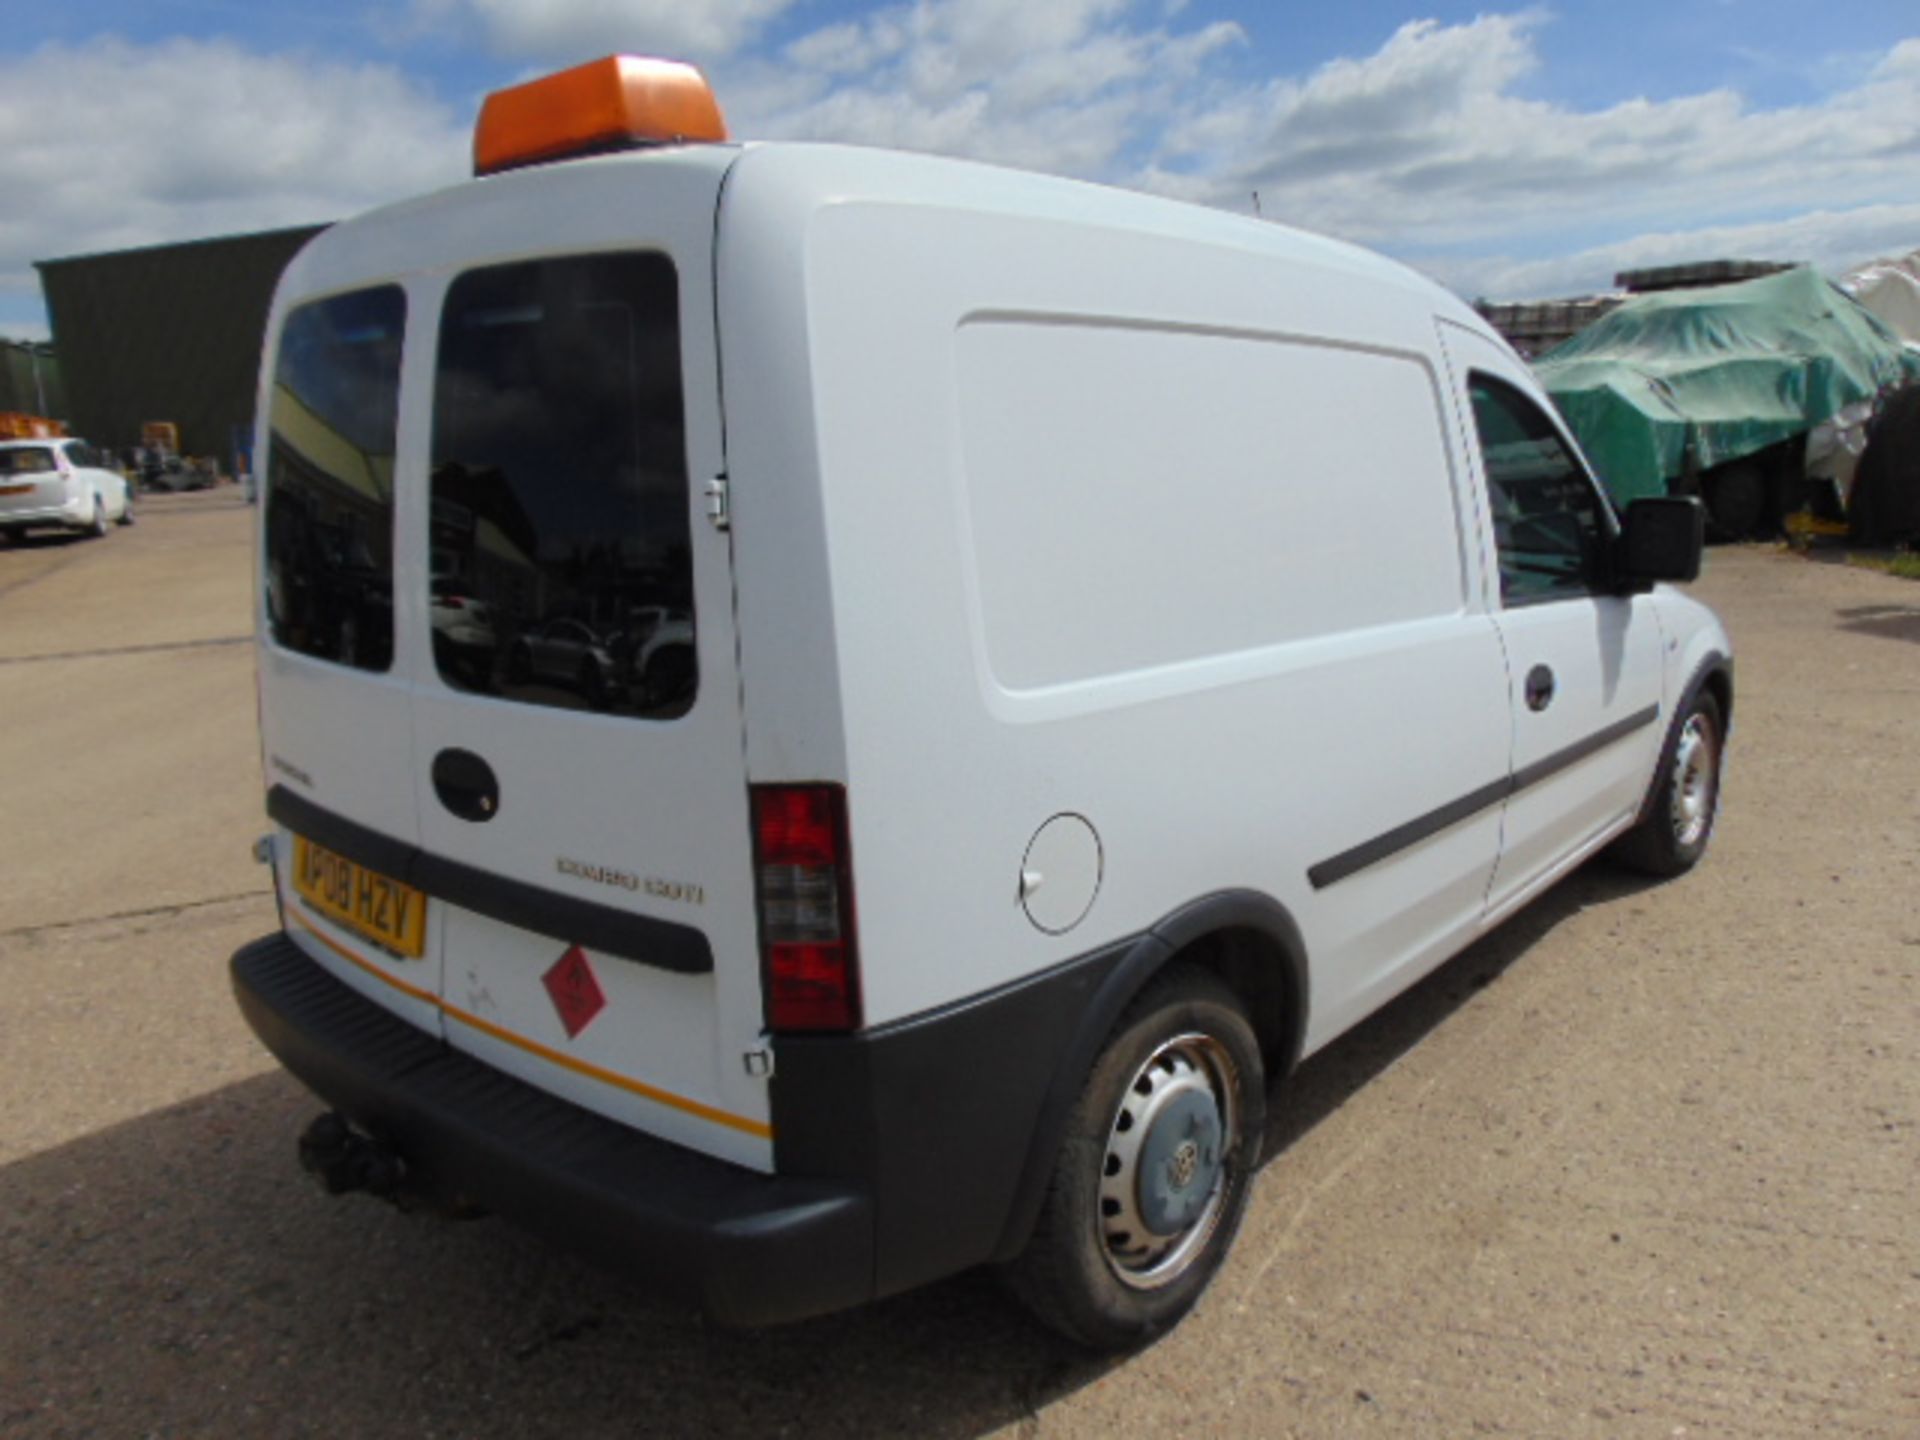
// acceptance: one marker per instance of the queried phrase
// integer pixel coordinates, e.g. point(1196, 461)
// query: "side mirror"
point(1660, 539)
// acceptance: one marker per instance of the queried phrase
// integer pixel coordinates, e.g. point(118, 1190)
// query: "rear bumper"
point(74, 514)
point(750, 1249)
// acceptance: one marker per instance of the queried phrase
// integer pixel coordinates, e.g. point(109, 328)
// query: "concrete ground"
point(1641, 1164)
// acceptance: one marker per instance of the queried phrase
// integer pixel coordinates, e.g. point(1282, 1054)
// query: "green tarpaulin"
point(1725, 370)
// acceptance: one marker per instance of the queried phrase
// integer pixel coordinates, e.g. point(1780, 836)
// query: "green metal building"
point(30, 378)
point(170, 332)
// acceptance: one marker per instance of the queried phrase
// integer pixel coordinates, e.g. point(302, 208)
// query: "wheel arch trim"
point(1714, 673)
point(1177, 935)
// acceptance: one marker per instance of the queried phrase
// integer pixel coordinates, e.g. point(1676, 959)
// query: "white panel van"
point(836, 716)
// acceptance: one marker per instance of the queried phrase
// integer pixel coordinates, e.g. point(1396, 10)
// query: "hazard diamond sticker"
point(574, 990)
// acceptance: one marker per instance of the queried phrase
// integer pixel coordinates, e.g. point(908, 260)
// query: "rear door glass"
point(34, 461)
point(561, 562)
point(329, 518)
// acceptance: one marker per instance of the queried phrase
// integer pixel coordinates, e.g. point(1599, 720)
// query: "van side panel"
point(1140, 497)
point(789, 658)
point(1269, 726)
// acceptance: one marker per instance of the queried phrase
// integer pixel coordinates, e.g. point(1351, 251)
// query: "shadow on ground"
point(43, 539)
point(177, 1275)
point(1889, 622)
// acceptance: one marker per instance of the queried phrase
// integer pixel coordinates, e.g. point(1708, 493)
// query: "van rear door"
point(578, 760)
point(335, 664)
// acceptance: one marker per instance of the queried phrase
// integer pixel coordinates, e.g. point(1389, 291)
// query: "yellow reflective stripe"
point(367, 965)
point(756, 1128)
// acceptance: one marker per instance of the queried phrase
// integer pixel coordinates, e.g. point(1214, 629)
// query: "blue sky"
point(1517, 152)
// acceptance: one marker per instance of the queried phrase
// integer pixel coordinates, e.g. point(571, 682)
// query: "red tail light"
point(809, 960)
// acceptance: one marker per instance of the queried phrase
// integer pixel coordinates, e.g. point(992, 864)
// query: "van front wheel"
point(1673, 837)
point(1151, 1180)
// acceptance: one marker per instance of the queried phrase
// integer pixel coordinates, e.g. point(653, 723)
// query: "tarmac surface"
point(1642, 1163)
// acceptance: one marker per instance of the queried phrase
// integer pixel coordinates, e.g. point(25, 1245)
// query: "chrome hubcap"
point(1164, 1179)
point(1693, 782)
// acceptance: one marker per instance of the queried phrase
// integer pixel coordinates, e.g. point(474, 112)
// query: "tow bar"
point(344, 1160)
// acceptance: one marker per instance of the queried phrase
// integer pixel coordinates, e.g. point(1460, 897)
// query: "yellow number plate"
point(14, 489)
point(380, 908)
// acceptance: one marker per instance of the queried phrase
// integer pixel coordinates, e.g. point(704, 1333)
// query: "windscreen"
point(561, 565)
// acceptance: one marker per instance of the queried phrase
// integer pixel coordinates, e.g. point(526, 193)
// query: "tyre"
point(1673, 837)
point(669, 675)
point(1737, 500)
point(592, 684)
point(1151, 1180)
point(1884, 508)
point(97, 527)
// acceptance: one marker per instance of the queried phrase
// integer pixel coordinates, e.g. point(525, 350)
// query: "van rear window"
point(329, 520)
point(37, 460)
point(561, 565)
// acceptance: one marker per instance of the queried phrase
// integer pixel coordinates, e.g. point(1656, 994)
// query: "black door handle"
point(1539, 688)
point(466, 785)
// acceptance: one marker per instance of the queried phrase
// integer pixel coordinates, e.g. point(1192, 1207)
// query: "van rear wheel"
point(1151, 1180)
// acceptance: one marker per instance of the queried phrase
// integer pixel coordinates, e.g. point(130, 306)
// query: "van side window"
point(1550, 525)
point(329, 500)
point(561, 557)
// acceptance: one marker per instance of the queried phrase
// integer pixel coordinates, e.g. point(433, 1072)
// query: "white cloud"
point(1832, 240)
point(578, 30)
point(1424, 147)
point(1434, 147)
point(112, 145)
point(1429, 147)
point(1072, 86)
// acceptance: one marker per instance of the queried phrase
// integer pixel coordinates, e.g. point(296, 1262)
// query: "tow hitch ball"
point(344, 1160)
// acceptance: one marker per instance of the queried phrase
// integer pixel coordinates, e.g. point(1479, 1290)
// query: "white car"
point(664, 668)
point(463, 635)
point(59, 484)
point(566, 652)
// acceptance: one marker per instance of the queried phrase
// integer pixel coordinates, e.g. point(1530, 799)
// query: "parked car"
point(62, 484)
point(174, 474)
point(664, 667)
point(464, 639)
point(566, 652)
point(1213, 631)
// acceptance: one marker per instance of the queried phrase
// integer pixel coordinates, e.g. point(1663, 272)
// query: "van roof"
point(813, 176)
point(830, 174)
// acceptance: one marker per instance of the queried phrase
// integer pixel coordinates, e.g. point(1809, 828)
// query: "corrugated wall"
point(168, 333)
point(30, 379)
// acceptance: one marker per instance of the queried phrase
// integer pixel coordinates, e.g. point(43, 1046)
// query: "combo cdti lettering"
point(836, 716)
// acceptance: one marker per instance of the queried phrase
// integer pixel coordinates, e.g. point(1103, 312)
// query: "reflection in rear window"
point(329, 507)
point(34, 460)
point(561, 562)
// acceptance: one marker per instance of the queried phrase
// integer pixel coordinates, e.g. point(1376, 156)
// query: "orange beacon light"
point(621, 102)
